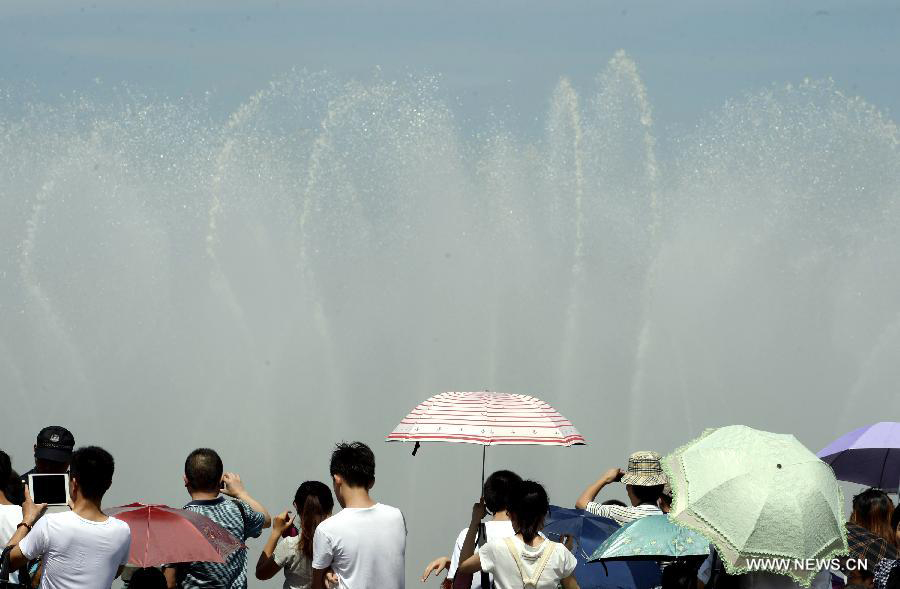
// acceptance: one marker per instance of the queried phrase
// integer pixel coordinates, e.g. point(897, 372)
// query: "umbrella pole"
point(483, 453)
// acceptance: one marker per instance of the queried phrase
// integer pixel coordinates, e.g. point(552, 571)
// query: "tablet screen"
point(52, 489)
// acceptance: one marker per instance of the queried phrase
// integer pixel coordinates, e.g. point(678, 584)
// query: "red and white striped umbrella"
point(488, 419)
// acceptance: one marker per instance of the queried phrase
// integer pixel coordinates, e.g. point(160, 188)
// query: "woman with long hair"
point(527, 559)
point(313, 503)
point(870, 536)
point(872, 510)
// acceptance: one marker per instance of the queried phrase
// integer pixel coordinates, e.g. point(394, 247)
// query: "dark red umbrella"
point(162, 535)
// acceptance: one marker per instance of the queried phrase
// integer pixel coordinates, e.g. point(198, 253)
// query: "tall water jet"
point(746, 273)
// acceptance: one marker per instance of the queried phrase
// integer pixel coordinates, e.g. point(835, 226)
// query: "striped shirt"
point(623, 515)
point(238, 518)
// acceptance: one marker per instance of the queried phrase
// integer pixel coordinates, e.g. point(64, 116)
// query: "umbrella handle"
point(416, 448)
point(483, 453)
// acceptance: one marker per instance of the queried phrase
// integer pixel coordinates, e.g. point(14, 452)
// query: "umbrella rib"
point(887, 452)
point(147, 545)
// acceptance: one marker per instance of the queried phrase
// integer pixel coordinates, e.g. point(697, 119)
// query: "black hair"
point(528, 508)
point(893, 581)
point(147, 578)
point(314, 502)
point(203, 470)
point(895, 519)
point(613, 502)
point(5, 468)
point(355, 463)
point(498, 489)
point(14, 489)
point(647, 494)
point(92, 468)
point(873, 509)
point(680, 574)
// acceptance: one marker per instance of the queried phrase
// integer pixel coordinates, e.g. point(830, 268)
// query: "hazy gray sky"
point(494, 55)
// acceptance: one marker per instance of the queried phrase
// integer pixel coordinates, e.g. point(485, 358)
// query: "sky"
point(497, 56)
point(266, 290)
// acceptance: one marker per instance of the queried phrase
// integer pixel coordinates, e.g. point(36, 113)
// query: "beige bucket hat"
point(644, 470)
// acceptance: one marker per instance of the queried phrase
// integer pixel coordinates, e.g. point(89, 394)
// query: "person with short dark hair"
point(83, 547)
point(365, 543)
point(644, 480)
point(497, 492)
point(147, 578)
point(526, 559)
point(242, 515)
point(313, 504)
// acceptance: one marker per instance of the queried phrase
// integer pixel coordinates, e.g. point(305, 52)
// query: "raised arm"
point(234, 487)
point(468, 567)
point(31, 513)
point(463, 578)
point(266, 567)
point(610, 476)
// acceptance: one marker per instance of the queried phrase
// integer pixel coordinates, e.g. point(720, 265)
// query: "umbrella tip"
point(416, 448)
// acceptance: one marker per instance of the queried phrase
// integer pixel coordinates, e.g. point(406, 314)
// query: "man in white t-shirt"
point(364, 545)
point(83, 547)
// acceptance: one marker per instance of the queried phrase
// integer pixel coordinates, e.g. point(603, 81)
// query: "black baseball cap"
point(55, 443)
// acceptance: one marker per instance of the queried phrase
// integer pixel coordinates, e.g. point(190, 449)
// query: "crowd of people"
point(364, 544)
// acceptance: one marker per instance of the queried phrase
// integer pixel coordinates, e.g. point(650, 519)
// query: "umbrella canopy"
point(486, 418)
point(589, 532)
point(756, 494)
point(163, 535)
point(869, 456)
point(653, 537)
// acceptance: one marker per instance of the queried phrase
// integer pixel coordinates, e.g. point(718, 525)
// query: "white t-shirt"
point(10, 516)
point(77, 552)
point(297, 568)
point(495, 530)
point(365, 547)
point(497, 560)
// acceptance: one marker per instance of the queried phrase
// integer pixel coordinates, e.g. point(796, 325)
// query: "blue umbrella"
point(588, 532)
point(654, 537)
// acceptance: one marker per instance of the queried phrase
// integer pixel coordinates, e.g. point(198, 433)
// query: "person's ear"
point(73, 488)
point(184, 478)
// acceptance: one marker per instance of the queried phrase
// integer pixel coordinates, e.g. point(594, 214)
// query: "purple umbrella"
point(868, 456)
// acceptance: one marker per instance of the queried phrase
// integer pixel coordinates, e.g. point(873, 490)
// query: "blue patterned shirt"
point(232, 574)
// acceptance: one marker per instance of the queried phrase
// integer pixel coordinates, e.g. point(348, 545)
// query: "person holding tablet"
point(83, 547)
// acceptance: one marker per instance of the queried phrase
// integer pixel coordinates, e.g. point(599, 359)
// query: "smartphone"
point(52, 489)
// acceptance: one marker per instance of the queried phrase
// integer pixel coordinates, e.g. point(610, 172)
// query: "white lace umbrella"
point(488, 419)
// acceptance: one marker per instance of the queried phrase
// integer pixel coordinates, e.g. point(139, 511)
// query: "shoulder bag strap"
point(240, 507)
point(539, 566)
point(482, 539)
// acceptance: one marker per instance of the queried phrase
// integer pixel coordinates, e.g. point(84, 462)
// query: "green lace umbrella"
point(755, 495)
point(653, 537)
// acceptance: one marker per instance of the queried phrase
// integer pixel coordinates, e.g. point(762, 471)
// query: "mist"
point(310, 267)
